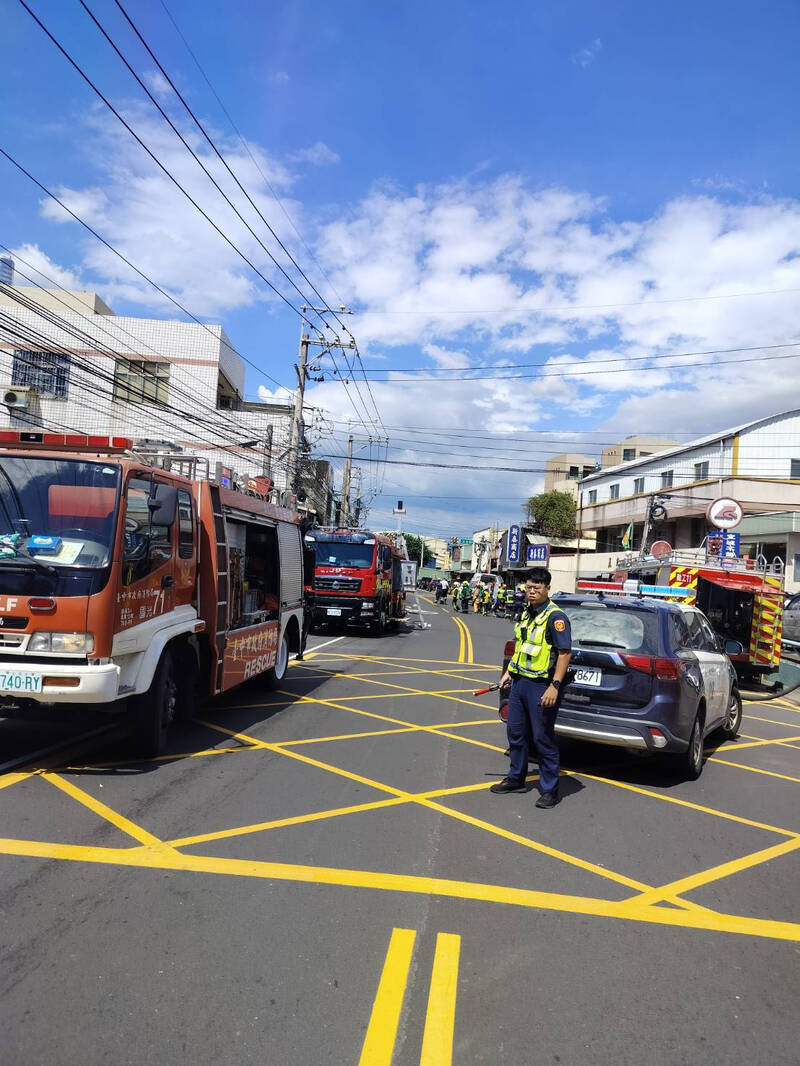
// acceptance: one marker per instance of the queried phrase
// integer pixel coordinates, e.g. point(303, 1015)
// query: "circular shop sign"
point(661, 549)
point(724, 513)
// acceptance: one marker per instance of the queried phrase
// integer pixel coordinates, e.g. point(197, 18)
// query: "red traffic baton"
point(483, 691)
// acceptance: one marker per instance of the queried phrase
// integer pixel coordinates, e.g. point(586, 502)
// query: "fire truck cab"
point(127, 585)
point(358, 577)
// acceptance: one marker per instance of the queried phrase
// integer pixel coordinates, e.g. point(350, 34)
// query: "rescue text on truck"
point(128, 586)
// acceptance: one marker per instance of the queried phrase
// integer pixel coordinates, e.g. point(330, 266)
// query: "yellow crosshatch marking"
point(659, 904)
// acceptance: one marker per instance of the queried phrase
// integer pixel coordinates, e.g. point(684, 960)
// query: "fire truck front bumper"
point(58, 682)
point(343, 609)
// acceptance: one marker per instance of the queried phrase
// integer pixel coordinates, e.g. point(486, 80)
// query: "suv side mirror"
point(733, 647)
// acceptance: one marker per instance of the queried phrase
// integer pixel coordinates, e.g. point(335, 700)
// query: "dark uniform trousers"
point(525, 713)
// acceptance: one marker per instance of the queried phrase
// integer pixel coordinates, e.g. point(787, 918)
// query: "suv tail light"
point(663, 669)
point(642, 663)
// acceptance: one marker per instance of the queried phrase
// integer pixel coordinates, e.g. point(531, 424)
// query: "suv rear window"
point(614, 627)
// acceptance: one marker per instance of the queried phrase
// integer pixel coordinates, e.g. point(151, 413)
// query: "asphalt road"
point(320, 875)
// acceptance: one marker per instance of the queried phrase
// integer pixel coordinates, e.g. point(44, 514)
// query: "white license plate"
point(335, 610)
point(585, 676)
point(17, 681)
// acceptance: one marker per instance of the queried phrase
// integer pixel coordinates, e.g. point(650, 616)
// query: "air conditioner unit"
point(17, 397)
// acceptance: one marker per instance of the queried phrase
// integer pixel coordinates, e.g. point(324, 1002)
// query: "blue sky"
point(477, 169)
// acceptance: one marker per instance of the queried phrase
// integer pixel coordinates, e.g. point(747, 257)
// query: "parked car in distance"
point(648, 675)
point(791, 619)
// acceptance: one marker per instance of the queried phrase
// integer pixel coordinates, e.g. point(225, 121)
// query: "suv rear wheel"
point(690, 762)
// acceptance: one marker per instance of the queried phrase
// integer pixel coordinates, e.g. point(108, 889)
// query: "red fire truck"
point(742, 599)
point(358, 577)
point(127, 584)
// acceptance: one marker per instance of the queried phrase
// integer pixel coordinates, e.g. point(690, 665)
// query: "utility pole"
point(580, 535)
point(296, 439)
point(348, 464)
point(293, 469)
point(266, 466)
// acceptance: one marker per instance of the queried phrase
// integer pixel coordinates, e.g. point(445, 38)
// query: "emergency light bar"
point(599, 586)
point(73, 442)
point(633, 588)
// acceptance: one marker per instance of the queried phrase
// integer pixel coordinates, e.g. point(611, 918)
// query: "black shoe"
point(508, 784)
point(547, 800)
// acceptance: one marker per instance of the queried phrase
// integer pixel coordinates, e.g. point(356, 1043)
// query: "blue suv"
point(647, 674)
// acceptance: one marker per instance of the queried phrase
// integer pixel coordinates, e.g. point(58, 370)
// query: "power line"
point(136, 270)
point(191, 151)
point(164, 169)
point(564, 440)
point(95, 323)
point(253, 159)
point(568, 308)
point(568, 373)
point(269, 186)
point(210, 141)
point(594, 362)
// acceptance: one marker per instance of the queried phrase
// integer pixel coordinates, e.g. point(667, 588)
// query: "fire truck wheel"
point(378, 626)
point(188, 696)
point(154, 711)
point(733, 719)
point(275, 675)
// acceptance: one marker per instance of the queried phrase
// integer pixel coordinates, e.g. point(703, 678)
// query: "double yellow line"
point(465, 652)
point(437, 1039)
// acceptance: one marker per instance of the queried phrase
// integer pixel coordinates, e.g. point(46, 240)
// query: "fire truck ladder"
point(221, 547)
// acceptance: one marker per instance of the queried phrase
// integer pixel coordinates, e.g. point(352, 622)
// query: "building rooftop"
point(55, 299)
point(689, 445)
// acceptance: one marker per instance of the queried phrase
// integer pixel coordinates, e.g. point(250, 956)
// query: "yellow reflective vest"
point(532, 653)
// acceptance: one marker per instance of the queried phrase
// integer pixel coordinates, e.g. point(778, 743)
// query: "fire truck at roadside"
point(128, 582)
point(358, 577)
point(742, 599)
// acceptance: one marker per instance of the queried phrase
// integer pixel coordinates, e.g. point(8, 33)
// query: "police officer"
point(537, 671)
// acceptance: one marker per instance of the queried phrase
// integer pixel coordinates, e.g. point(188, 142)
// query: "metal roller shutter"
point(291, 561)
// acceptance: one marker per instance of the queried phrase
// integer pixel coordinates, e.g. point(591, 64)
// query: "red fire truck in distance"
point(127, 585)
point(358, 577)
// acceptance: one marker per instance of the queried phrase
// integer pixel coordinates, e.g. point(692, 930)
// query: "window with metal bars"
point(137, 381)
point(46, 372)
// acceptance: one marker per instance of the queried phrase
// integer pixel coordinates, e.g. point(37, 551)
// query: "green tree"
point(414, 543)
point(552, 514)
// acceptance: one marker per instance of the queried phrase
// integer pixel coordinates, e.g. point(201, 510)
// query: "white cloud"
point(587, 55)
point(477, 272)
point(279, 395)
point(279, 77)
point(492, 273)
point(33, 267)
point(318, 155)
point(146, 217)
point(157, 83)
